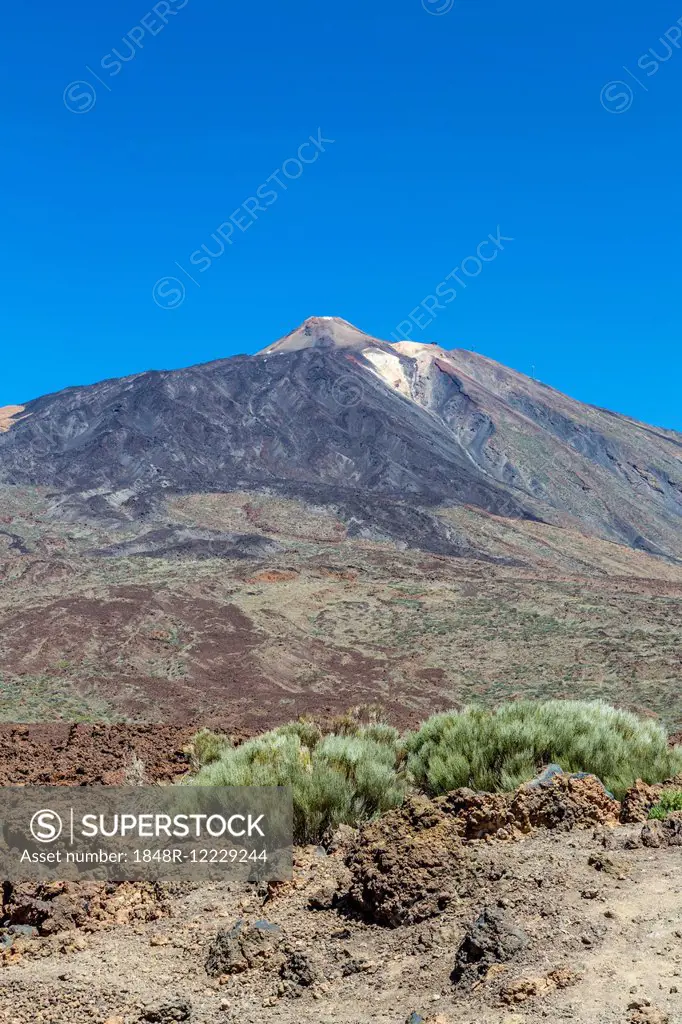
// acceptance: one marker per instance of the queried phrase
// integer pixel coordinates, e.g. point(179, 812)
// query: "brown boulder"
point(242, 947)
point(177, 1010)
point(564, 802)
point(663, 833)
point(531, 988)
point(642, 1012)
point(477, 814)
point(638, 801)
point(53, 907)
point(408, 865)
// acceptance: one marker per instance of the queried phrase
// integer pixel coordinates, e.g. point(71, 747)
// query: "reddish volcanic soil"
point(91, 754)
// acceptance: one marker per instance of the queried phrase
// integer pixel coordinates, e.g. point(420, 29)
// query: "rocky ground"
point(56, 754)
point(537, 906)
point(323, 622)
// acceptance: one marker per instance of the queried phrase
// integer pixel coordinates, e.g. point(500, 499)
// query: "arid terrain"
point(470, 909)
point(316, 621)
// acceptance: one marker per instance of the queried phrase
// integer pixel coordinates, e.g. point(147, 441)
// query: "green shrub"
point(356, 719)
point(208, 746)
point(361, 770)
point(381, 733)
point(671, 800)
point(307, 731)
point(334, 779)
point(501, 749)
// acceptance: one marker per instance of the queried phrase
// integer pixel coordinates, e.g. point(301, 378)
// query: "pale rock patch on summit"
point(412, 368)
point(391, 369)
point(427, 371)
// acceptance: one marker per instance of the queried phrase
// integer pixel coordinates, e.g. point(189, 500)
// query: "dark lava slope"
point(384, 433)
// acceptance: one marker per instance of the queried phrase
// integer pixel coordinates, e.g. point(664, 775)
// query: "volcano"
point(385, 433)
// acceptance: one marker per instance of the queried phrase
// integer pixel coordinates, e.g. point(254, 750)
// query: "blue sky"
point(449, 123)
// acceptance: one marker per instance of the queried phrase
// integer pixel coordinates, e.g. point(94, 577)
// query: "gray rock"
point(299, 969)
point(491, 939)
point(176, 1010)
point(241, 947)
point(551, 772)
point(324, 896)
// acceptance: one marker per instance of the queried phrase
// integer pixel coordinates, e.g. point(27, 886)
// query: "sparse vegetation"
point(50, 697)
point(671, 800)
point(207, 746)
point(335, 778)
point(355, 771)
point(500, 749)
point(475, 639)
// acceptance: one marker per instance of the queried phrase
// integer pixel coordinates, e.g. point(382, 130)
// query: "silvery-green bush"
point(499, 750)
point(208, 746)
point(334, 779)
point(352, 776)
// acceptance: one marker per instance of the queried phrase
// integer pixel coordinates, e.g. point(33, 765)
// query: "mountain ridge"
point(330, 408)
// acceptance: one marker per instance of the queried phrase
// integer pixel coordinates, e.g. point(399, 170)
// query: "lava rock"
point(663, 833)
point(642, 1012)
point(638, 801)
point(408, 865)
point(491, 939)
point(299, 969)
point(177, 1010)
point(564, 802)
point(324, 897)
point(242, 947)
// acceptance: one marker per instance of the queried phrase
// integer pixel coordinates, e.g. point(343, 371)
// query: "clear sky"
point(450, 122)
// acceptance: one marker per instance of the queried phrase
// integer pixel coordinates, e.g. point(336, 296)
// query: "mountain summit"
point(323, 332)
point(387, 434)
